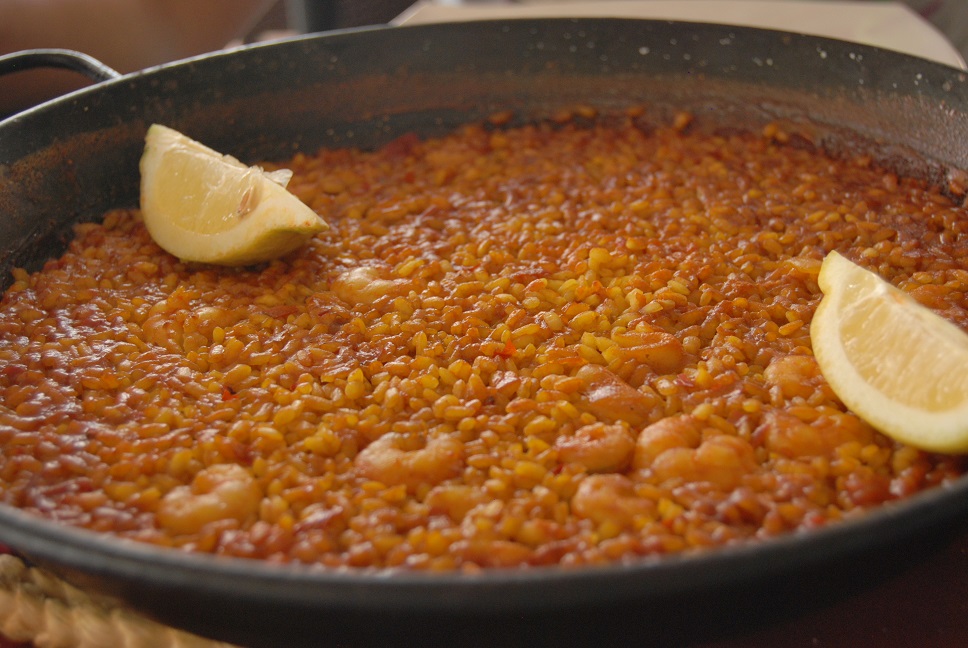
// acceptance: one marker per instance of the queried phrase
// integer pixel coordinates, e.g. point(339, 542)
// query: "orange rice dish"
point(570, 343)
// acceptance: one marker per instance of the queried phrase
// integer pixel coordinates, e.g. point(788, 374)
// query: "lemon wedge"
point(202, 206)
point(895, 363)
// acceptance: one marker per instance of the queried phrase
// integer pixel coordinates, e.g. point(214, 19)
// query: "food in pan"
point(572, 342)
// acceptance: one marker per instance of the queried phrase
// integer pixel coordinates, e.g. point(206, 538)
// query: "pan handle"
point(57, 58)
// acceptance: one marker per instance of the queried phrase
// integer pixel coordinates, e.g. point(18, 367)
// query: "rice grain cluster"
point(558, 344)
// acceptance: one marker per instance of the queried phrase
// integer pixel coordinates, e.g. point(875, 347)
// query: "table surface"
point(923, 606)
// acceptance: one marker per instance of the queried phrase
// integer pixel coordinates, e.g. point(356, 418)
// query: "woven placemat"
point(39, 609)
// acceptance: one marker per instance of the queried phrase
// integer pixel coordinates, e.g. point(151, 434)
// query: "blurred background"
point(950, 17)
point(307, 16)
point(130, 35)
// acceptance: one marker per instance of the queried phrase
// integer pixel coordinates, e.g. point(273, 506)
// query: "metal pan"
point(74, 158)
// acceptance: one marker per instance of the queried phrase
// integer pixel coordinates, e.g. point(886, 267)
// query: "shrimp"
point(220, 492)
point(599, 447)
point(674, 449)
point(721, 460)
point(609, 397)
point(164, 325)
point(610, 498)
point(659, 350)
point(784, 434)
point(456, 500)
point(363, 285)
point(393, 460)
point(681, 431)
point(794, 375)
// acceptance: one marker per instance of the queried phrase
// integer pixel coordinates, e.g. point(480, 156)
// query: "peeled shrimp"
point(600, 447)
point(610, 498)
point(674, 449)
point(220, 492)
point(392, 460)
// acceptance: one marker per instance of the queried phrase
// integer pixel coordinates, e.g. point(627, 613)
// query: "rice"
point(573, 342)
